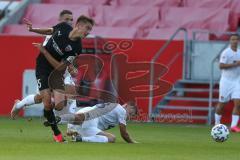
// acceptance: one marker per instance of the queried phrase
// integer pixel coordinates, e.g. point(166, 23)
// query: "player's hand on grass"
point(28, 23)
point(40, 47)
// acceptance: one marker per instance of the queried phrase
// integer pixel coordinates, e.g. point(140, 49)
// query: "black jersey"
point(60, 46)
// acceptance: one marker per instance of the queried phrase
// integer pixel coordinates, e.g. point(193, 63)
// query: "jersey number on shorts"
point(39, 83)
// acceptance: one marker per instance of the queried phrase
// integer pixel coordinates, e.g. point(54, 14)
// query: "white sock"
point(217, 118)
point(235, 119)
point(96, 138)
point(29, 100)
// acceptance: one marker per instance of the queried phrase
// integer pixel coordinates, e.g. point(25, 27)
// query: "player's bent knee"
point(47, 104)
point(38, 98)
point(59, 106)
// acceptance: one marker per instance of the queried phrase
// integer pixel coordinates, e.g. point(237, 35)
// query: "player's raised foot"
point(59, 138)
point(76, 138)
point(235, 129)
point(15, 110)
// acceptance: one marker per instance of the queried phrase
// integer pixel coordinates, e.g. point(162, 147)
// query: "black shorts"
point(43, 71)
point(42, 82)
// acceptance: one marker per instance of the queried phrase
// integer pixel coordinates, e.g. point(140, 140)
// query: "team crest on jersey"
point(68, 48)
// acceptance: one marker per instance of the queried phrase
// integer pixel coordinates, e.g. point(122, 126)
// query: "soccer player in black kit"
point(64, 16)
point(64, 44)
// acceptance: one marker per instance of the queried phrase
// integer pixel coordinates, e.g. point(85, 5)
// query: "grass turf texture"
point(30, 140)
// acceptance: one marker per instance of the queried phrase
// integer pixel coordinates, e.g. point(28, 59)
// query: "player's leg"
point(218, 112)
point(236, 110)
point(27, 101)
point(111, 137)
point(235, 115)
point(46, 94)
point(102, 137)
point(43, 70)
point(88, 131)
point(96, 111)
point(49, 114)
point(225, 89)
point(93, 134)
point(60, 100)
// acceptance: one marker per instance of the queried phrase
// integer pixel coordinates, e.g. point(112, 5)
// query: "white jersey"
point(115, 117)
point(94, 126)
point(109, 120)
point(229, 56)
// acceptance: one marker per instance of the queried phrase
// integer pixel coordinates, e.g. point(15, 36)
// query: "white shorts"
point(88, 128)
point(228, 90)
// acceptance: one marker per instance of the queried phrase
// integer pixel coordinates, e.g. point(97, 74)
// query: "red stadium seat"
point(166, 33)
point(216, 4)
point(47, 14)
point(207, 3)
point(157, 3)
point(116, 32)
point(235, 14)
point(126, 16)
point(195, 18)
point(85, 2)
point(105, 32)
point(16, 29)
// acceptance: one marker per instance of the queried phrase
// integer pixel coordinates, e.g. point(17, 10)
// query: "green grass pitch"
point(30, 140)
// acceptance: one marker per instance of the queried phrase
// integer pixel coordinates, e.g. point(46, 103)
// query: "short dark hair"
point(234, 34)
point(133, 104)
point(65, 12)
point(85, 19)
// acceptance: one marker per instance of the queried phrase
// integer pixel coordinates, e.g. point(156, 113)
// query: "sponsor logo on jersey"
point(68, 48)
point(57, 49)
point(59, 33)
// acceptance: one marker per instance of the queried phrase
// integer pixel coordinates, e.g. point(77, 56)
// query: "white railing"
point(154, 59)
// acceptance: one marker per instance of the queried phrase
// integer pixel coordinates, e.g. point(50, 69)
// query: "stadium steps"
point(196, 99)
point(193, 90)
point(186, 81)
point(172, 107)
point(188, 95)
point(192, 117)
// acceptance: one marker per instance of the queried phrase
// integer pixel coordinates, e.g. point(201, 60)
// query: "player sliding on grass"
point(93, 129)
point(64, 16)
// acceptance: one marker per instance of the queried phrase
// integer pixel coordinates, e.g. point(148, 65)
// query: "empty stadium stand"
point(142, 19)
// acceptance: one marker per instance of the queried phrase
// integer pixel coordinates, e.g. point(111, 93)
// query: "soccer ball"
point(220, 133)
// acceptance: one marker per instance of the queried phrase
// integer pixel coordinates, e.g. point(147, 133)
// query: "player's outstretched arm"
point(45, 31)
point(48, 56)
point(124, 134)
point(228, 66)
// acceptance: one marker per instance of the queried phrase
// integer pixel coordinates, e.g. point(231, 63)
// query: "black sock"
point(49, 115)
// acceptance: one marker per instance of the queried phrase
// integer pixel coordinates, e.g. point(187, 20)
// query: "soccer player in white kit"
point(229, 86)
point(64, 16)
point(94, 130)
